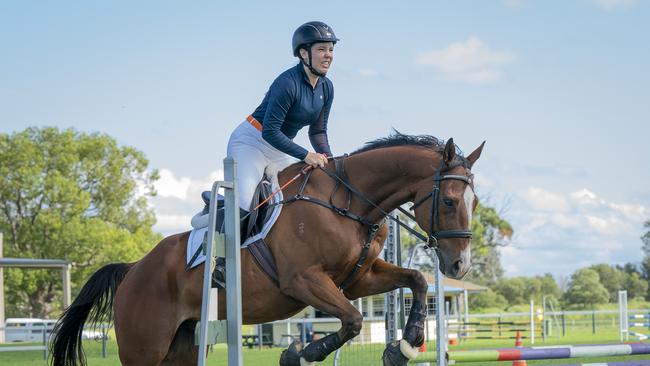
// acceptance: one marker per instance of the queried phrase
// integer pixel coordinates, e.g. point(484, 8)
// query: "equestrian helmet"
point(312, 32)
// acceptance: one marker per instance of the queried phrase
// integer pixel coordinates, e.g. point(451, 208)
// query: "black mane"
point(398, 139)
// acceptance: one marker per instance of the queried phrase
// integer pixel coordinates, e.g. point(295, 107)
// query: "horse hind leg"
point(318, 290)
point(182, 351)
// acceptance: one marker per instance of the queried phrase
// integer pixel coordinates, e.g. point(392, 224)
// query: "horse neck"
point(387, 177)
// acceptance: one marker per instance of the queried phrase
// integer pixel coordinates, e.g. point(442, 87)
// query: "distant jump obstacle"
point(492, 330)
point(638, 320)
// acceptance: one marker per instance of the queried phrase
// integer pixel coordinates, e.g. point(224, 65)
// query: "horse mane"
point(397, 138)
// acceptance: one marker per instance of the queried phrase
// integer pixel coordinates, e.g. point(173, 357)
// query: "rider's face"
point(322, 54)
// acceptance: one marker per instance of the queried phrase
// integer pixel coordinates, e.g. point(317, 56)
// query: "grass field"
point(351, 356)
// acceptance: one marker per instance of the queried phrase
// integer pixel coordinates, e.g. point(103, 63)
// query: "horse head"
point(443, 207)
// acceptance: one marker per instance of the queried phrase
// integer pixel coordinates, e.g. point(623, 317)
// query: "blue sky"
point(559, 89)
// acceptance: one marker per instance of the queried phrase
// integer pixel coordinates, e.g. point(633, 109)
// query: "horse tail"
point(94, 304)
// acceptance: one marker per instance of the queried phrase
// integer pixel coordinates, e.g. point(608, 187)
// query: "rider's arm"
point(281, 97)
point(318, 129)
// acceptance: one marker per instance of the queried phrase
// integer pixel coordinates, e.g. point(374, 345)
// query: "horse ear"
point(473, 157)
point(450, 151)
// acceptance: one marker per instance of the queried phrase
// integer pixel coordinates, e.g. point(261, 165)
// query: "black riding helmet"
point(308, 34)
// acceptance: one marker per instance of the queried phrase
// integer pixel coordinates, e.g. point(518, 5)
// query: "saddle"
point(254, 226)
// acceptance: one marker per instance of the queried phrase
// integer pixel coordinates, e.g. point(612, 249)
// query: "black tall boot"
point(219, 274)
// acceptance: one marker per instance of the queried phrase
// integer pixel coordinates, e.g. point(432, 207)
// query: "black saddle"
point(250, 224)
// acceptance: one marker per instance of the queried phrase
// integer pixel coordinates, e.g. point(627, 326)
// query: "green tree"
point(645, 264)
point(585, 289)
point(490, 232)
point(69, 195)
point(513, 290)
point(635, 285)
point(612, 278)
point(486, 300)
point(549, 286)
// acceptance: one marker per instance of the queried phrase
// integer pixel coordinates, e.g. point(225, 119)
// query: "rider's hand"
point(315, 159)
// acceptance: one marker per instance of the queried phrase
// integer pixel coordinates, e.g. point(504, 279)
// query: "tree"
point(74, 196)
point(635, 286)
point(646, 250)
point(486, 300)
point(513, 290)
point(490, 231)
point(612, 278)
point(585, 289)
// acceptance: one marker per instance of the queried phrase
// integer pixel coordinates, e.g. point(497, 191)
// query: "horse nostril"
point(455, 269)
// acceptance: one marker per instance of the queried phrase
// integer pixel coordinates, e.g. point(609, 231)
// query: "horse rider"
point(300, 96)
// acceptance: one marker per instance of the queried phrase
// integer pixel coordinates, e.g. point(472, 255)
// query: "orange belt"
point(254, 122)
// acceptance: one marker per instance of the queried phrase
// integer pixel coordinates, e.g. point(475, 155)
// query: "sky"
point(558, 89)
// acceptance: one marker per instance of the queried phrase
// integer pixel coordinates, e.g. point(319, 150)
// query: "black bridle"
point(432, 240)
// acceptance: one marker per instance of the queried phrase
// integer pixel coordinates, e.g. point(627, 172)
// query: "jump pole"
point(233, 269)
point(548, 353)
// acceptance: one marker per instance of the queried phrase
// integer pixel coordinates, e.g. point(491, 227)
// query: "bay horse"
point(155, 302)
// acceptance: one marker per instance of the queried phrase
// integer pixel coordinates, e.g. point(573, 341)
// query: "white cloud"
point(471, 61)
point(615, 4)
point(178, 199)
point(172, 223)
point(543, 200)
point(169, 186)
point(561, 232)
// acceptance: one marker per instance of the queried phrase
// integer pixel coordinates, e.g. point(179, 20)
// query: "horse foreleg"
point(318, 290)
point(383, 277)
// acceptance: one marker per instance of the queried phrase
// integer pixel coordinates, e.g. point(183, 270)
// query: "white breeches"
point(252, 155)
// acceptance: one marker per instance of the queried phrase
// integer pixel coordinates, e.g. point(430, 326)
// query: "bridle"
point(433, 236)
point(431, 239)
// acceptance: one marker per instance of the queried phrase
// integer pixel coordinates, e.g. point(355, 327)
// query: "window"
point(378, 306)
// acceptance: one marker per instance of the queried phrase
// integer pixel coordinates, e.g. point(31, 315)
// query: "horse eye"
point(448, 202)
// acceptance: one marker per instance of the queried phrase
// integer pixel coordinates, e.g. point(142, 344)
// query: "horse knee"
point(418, 282)
point(352, 326)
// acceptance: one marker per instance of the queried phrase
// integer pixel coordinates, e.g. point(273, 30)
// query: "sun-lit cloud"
point(471, 61)
point(560, 232)
point(178, 199)
point(541, 199)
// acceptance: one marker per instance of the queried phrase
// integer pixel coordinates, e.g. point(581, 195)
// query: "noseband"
point(432, 240)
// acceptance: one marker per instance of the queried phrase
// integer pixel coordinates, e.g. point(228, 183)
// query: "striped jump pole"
point(620, 363)
point(640, 316)
point(547, 353)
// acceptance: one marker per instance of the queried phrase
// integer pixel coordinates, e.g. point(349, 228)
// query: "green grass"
point(355, 356)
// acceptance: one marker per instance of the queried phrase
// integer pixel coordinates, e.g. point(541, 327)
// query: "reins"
point(339, 177)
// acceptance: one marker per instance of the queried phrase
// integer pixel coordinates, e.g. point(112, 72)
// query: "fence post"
point(593, 321)
point(563, 324)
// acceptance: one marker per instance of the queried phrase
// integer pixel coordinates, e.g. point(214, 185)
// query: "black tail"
point(94, 304)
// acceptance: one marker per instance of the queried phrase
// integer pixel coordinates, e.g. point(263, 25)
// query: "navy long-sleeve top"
point(291, 104)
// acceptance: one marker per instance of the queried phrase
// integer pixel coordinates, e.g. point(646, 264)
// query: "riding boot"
point(219, 274)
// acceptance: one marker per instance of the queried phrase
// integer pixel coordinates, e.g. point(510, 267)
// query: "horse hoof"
point(393, 355)
point(291, 355)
